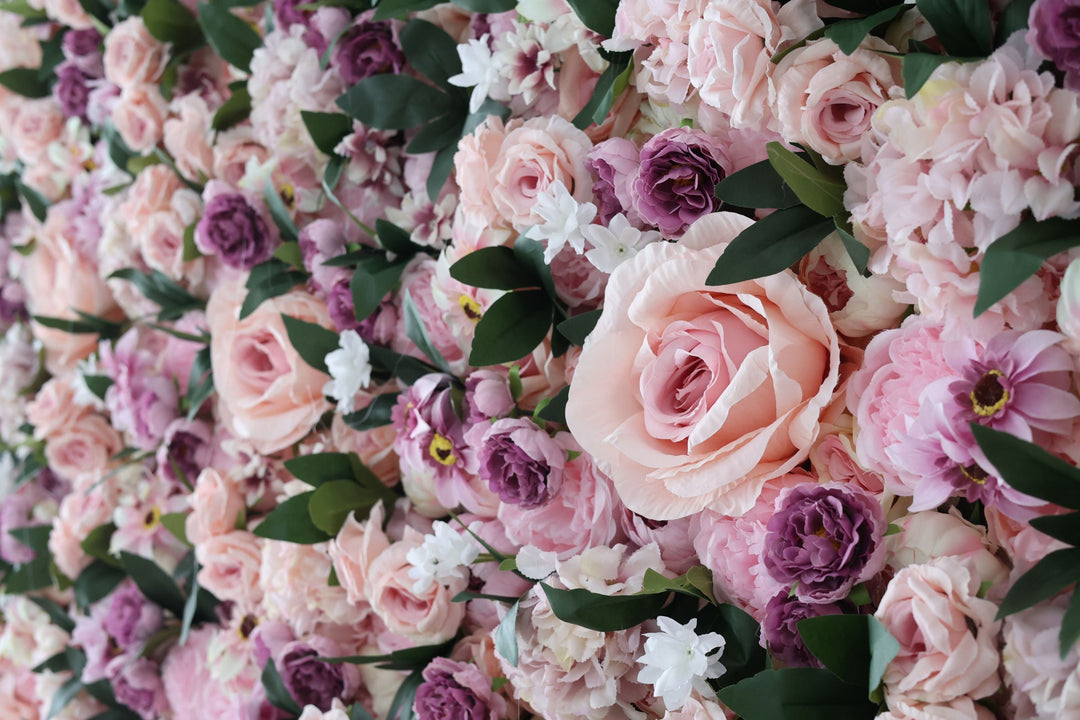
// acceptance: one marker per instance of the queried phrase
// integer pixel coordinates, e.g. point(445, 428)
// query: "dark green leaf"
point(863, 7)
point(191, 603)
point(694, 586)
point(506, 643)
point(56, 613)
point(1046, 578)
point(555, 410)
point(290, 521)
point(417, 332)
point(441, 168)
point(408, 659)
point(849, 34)
point(200, 382)
point(803, 693)
point(327, 129)
point(398, 8)
point(175, 523)
point(357, 712)
point(604, 93)
point(859, 253)
point(770, 245)
point(578, 327)
point(1070, 626)
point(401, 707)
point(171, 22)
point(276, 692)
point(531, 254)
point(29, 576)
point(232, 38)
point(98, 384)
point(849, 648)
point(964, 27)
point(312, 342)
point(395, 239)
point(234, 111)
point(822, 192)
point(57, 663)
point(487, 6)
point(279, 212)
point(604, 613)
point(26, 82)
point(404, 367)
point(96, 543)
point(23, 9)
point(117, 713)
point(486, 110)
point(1017, 255)
point(376, 414)
point(64, 695)
point(269, 279)
point(334, 500)
point(511, 328)
point(1065, 528)
point(432, 52)
point(394, 102)
point(154, 582)
point(441, 132)
point(756, 186)
point(1014, 17)
point(290, 254)
point(497, 267)
point(597, 15)
point(37, 202)
point(373, 279)
point(743, 654)
point(1030, 469)
point(97, 580)
point(78, 327)
point(159, 289)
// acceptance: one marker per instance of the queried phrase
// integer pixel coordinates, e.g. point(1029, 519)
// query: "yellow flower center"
point(442, 450)
point(470, 307)
point(287, 193)
point(153, 517)
point(988, 396)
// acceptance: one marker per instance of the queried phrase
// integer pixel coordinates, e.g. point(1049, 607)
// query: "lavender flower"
point(1054, 32)
point(826, 538)
point(234, 231)
point(521, 463)
point(367, 48)
point(72, 90)
point(307, 678)
point(456, 691)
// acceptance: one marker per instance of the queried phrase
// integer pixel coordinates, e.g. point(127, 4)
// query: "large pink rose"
point(692, 396)
point(268, 394)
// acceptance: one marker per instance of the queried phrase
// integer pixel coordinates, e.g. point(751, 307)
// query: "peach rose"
point(962, 708)
point(139, 117)
point(691, 396)
point(947, 635)
point(133, 55)
point(36, 124)
point(231, 566)
point(187, 136)
point(82, 450)
point(267, 394)
point(355, 549)
point(216, 505)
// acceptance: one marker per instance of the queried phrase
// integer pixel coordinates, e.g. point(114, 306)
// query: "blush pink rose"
point(267, 394)
point(962, 708)
point(727, 383)
point(354, 550)
point(216, 505)
point(133, 55)
point(947, 635)
point(231, 567)
point(82, 451)
point(79, 514)
point(139, 117)
point(35, 125)
point(187, 136)
point(232, 150)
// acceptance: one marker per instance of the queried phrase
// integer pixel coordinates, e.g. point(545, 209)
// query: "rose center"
point(988, 396)
point(442, 450)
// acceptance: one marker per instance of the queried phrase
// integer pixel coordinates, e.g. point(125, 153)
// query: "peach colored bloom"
point(133, 55)
point(139, 116)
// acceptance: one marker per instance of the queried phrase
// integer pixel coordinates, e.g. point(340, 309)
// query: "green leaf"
point(417, 332)
point(1017, 255)
point(497, 268)
point(555, 409)
point(394, 102)
point(1014, 17)
point(530, 253)
point(191, 252)
point(59, 617)
point(190, 604)
point(279, 212)
point(374, 279)
point(511, 328)
point(859, 253)
point(487, 6)
point(404, 367)
point(29, 576)
point(398, 8)
point(37, 202)
point(357, 712)
point(401, 707)
point(175, 523)
point(743, 654)
point(803, 693)
point(233, 111)
point(290, 254)
point(171, 22)
point(578, 327)
point(23, 9)
point(770, 245)
point(506, 643)
point(97, 580)
point(756, 186)
point(849, 34)
point(105, 328)
point(441, 168)
point(98, 384)
point(26, 82)
point(964, 27)
point(333, 501)
point(604, 613)
point(117, 713)
point(856, 648)
point(605, 91)
point(395, 239)
point(859, 595)
point(327, 129)
point(1030, 469)
point(441, 132)
point(290, 521)
point(1045, 579)
point(487, 109)
point(414, 658)
point(917, 68)
point(64, 695)
point(1065, 528)
point(1070, 626)
point(376, 414)
point(159, 289)
point(96, 543)
point(154, 582)
point(311, 341)
point(822, 192)
point(269, 279)
point(200, 382)
point(597, 15)
point(276, 692)
point(232, 38)
point(432, 52)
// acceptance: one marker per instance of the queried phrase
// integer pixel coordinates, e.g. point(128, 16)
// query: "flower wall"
point(578, 360)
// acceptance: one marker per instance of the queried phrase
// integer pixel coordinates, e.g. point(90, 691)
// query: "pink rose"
point(133, 55)
point(139, 117)
point(268, 394)
point(187, 136)
point(233, 149)
point(230, 567)
point(728, 382)
point(69, 13)
point(216, 506)
point(947, 635)
point(80, 513)
point(1043, 684)
point(962, 708)
point(929, 534)
point(375, 447)
point(83, 450)
point(37, 123)
point(355, 548)
point(53, 409)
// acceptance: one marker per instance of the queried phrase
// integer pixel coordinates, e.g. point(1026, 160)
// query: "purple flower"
point(339, 301)
point(72, 90)
point(234, 231)
point(319, 241)
point(307, 678)
point(82, 48)
point(131, 618)
point(141, 401)
point(826, 538)
point(367, 48)
point(186, 448)
point(781, 627)
point(1054, 32)
point(287, 13)
point(614, 167)
point(675, 185)
point(456, 691)
point(487, 393)
point(136, 682)
point(521, 463)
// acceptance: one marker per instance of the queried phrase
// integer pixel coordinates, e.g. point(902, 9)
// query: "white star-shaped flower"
point(564, 220)
point(350, 370)
point(442, 556)
point(615, 244)
point(677, 660)
point(477, 71)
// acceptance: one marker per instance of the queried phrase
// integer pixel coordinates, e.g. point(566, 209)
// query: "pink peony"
point(1042, 682)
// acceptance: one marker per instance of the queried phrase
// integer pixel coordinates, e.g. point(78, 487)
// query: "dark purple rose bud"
point(521, 463)
point(1054, 32)
point(366, 49)
point(72, 90)
point(826, 538)
point(307, 678)
point(339, 301)
point(455, 691)
point(82, 48)
point(287, 13)
point(234, 231)
point(781, 626)
point(676, 180)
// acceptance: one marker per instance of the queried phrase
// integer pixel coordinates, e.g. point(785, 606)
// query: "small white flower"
point(615, 244)
point(536, 564)
point(442, 556)
point(677, 660)
point(350, 370)
point(477, 71)
point(564, 220)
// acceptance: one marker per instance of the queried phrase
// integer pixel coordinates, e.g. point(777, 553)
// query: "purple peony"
point(72, 90)
point(185, 449)
point(131, 618)
point(234, 231)
point(1054, 32)
point(826, 538)
point(367, 48)
point(142, 401)
point(676, 180)
point(308, 679)
point(456, 691)
point(82, 48)
point(781, 628)
point(521, 463)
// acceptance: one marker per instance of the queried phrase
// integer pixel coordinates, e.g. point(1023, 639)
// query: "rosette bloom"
point(692, 396)
point(310, 680)
point(521, 463)
point(234, 231)
point(1054, 32)
point(456, 691)
point(367, 48)
point(826, 538)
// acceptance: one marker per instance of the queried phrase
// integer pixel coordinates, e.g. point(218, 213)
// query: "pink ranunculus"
point(947, 634)
point(133, 55)
point(268, 394)
point(139, 116)
point(729, 382)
